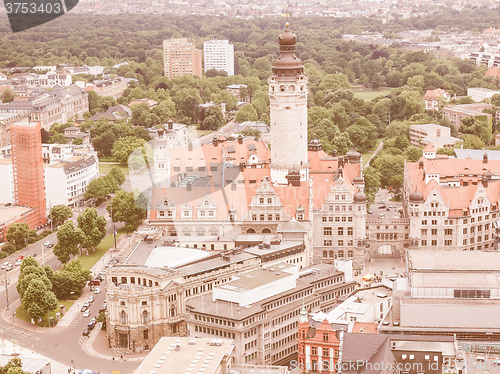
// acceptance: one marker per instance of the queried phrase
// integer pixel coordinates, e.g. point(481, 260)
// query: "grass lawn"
point(366, 156)
point(90, 260)
point(21, 313)
point(369, 94)
point(105, 168)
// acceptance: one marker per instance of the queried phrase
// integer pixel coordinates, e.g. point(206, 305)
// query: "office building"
point(219, 55)
point(180, 57)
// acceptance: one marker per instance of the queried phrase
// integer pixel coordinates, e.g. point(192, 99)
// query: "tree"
point(211, 73)
point(27, 275)
point(363, 134)
point(93, 227)
point(389, 166)
point(18, 234)
point(38, 299)
point(7, 95)
point(117, 173)
point(246, 113)
point(125, 209)
point(472, 126)
point(96, 189)
point(372, 180)
point(68, 240)
point(60, 214)
point(213, 118)
point(123, 147)
point(14, 366)
point(70, 280)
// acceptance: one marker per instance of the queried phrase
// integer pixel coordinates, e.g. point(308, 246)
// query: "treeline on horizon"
point(109, 39)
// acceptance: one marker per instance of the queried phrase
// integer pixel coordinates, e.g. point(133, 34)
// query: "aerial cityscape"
point(236, 187)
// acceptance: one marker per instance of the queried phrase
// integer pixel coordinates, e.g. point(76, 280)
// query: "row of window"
point(207, 330)
point(340, 243)
point(218, 321)
point(336, 219)
point(340, 231)
point(338, 254)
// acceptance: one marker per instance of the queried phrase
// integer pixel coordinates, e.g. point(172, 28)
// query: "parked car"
point(86, 313)
point(85, 333)
point(18, 262)
point(5, 264)
point(87, 304)
point(91, 326)
point(91, 299)
point(84, 308)
point(97, 290)
point(392, 206)
point(48, 244)
point(382, 207)
point(9, 267)
point(102, 308)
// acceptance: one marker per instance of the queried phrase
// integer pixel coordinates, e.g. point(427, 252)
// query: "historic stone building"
point(452, 203)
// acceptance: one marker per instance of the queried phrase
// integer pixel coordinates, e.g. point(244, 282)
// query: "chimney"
point(240, 139)
point(242, 166)
point(484, 180)
point(160, 133)
point(335, 153)
point(341, 161)
point(421, 164)
point(485, 158)
point(215, 141)
point(170, 124)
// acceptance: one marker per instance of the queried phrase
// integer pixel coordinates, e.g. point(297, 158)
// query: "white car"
point(86, 313)
point(18, 262)
point(91, 299)
point(5, 265)
point(97, 290)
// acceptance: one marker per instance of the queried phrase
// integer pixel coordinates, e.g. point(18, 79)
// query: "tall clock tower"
point(288, 112)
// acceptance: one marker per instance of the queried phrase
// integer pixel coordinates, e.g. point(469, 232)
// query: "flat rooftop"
point(158, 256)
point(9, 213)
point(257, 278)
point(427, 126)
point(453, 260)
point(173, 355)
point(447, 280)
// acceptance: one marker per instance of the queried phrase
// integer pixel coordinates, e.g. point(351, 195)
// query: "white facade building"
point(65, 182)
point(479, 94)
point(219, 55)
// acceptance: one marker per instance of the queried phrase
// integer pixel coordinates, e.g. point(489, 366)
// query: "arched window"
point(341, 254)
point(145, 317)
point(282, 88)
point(123, 317)
point(350, 254)
point(172, 312)
point(250, 231)
point(330, 254)
point(266, 231)
point(325, 253)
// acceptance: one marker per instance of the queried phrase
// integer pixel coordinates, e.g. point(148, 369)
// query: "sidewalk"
point(97, 346)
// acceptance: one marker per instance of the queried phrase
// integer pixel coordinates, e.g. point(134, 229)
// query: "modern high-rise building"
point(219, 55)
point(180, 57)
point(27, 165)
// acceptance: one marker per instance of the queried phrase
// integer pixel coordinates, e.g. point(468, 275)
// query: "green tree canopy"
point(60, 214)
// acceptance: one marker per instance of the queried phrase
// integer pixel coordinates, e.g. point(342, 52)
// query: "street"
point(61, 343)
